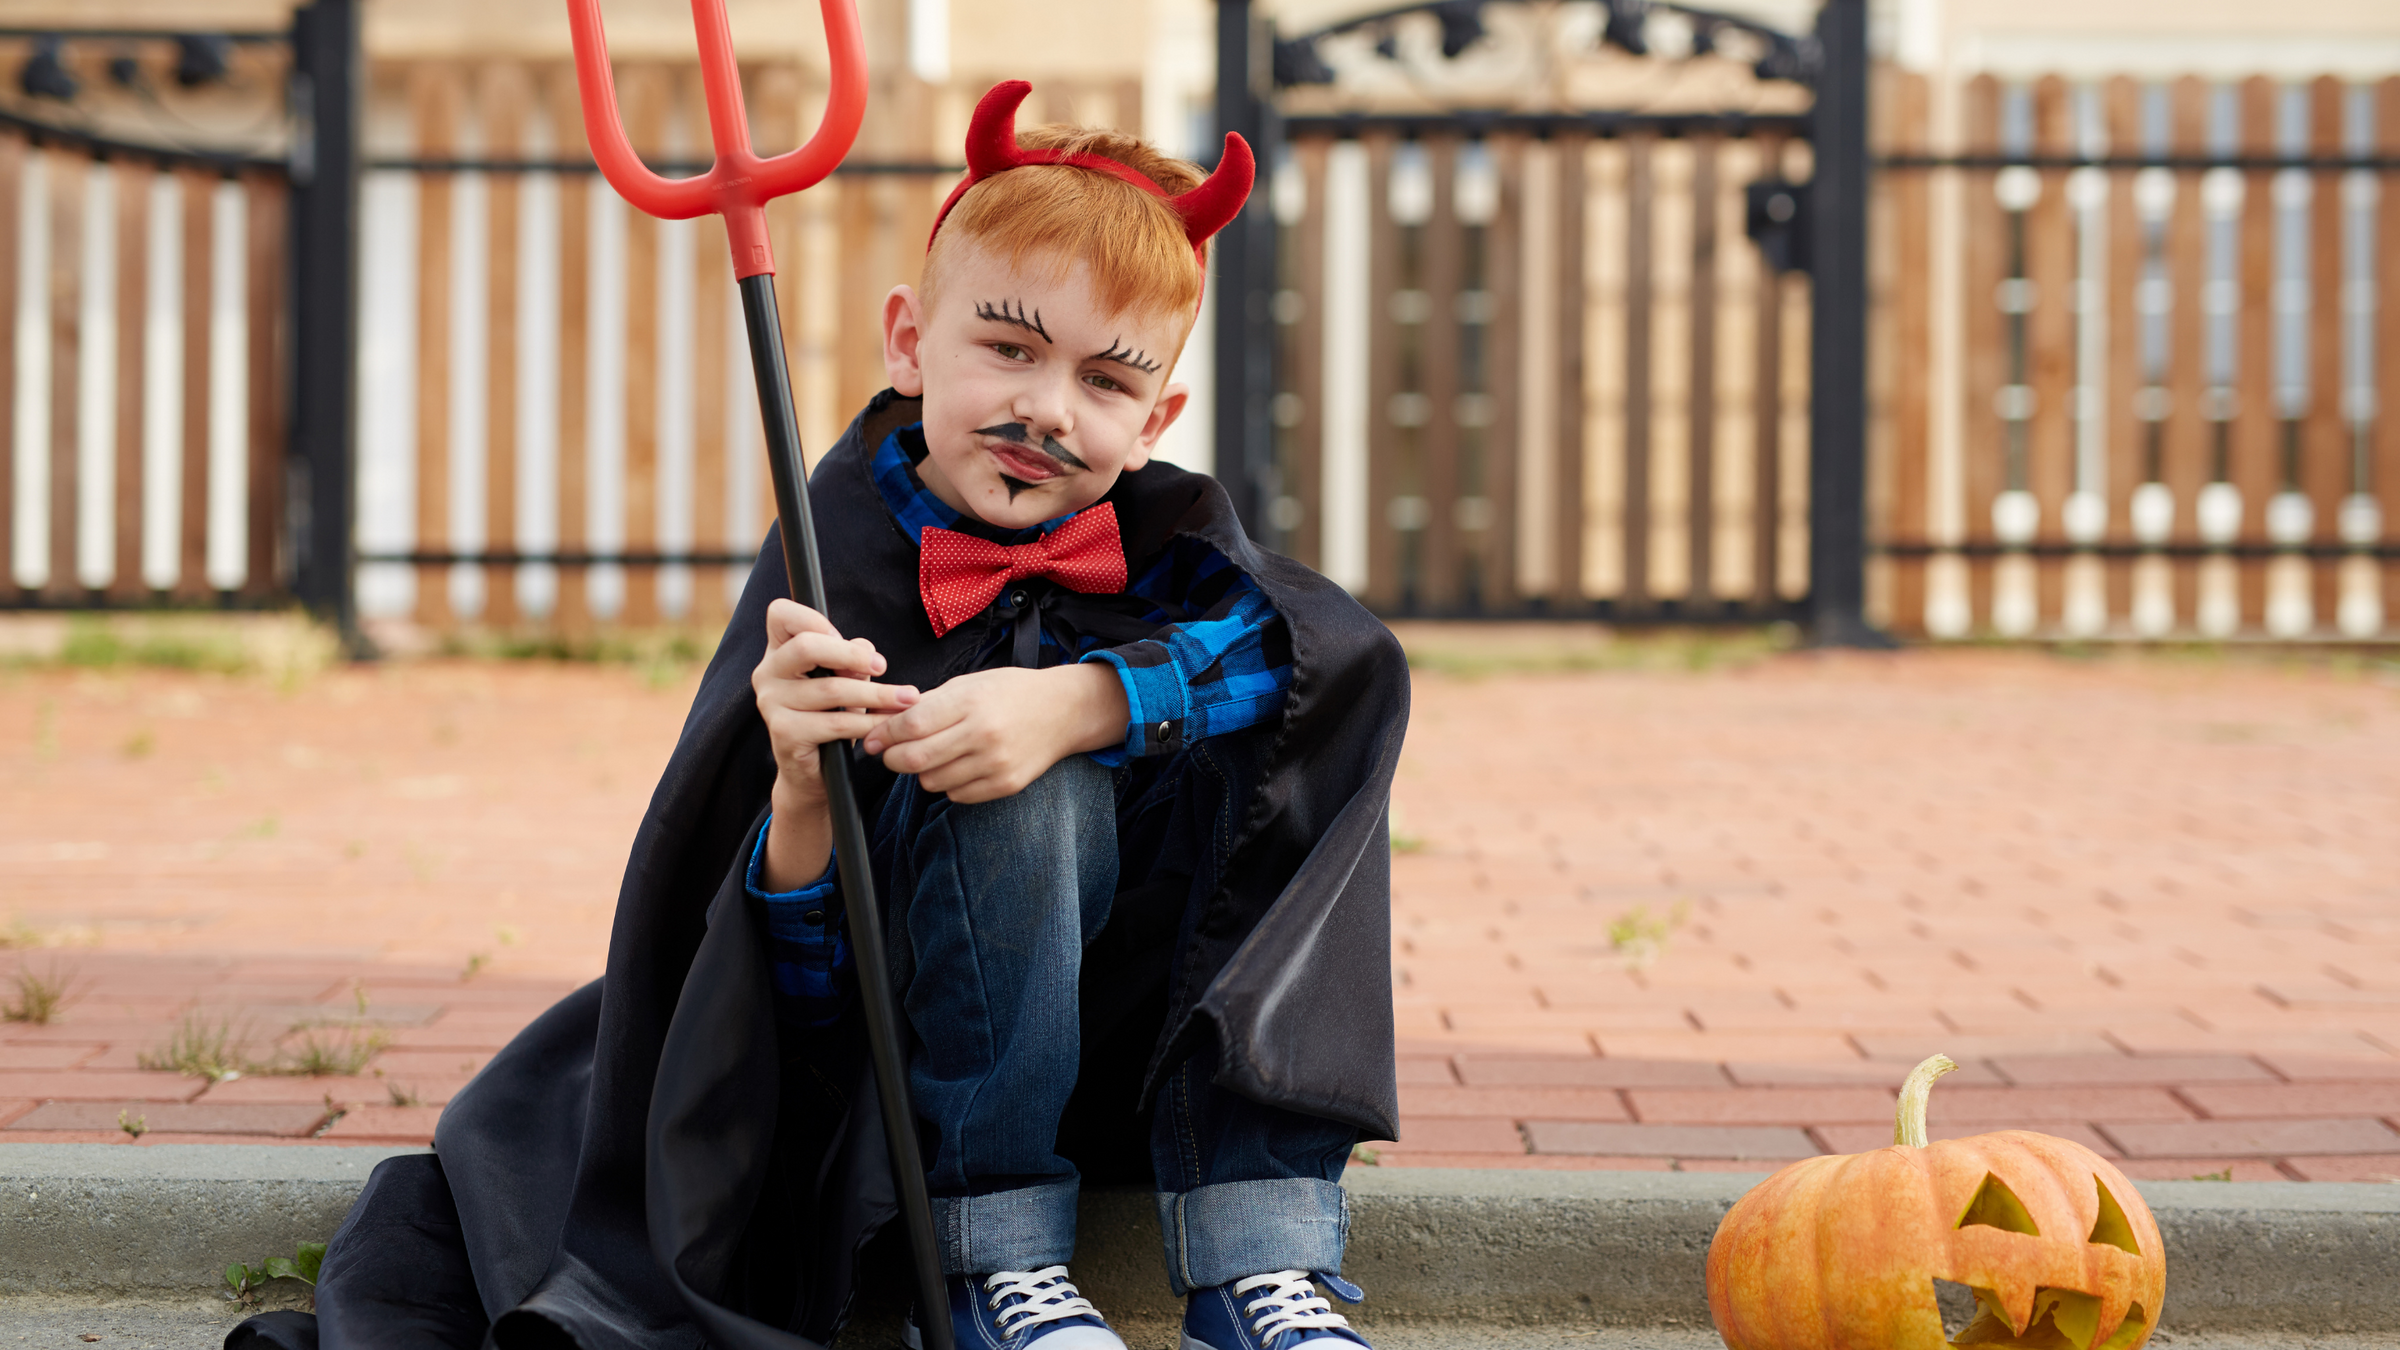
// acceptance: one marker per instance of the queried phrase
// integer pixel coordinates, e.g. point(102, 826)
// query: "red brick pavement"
point(2147, 902)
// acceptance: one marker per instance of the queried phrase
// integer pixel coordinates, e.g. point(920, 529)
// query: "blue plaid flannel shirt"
point(1228, 668)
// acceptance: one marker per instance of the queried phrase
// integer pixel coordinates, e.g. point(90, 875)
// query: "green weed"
point(248, 1282)
point(1640, 937)
point(137, 1126)
point(328, 1051)
point(140, 745)
point(403, 1094)
point(1364, 1156)
point(36, 998)
point(2221, 1174)
point(214, 1046)
point(94, 645)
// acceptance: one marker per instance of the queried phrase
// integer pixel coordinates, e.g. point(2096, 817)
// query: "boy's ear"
point(903, 342)
point(1170, 405)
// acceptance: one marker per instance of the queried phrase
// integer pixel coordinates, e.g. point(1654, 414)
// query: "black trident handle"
point(799, 532)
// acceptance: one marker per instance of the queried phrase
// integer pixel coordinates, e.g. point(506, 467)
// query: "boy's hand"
point(803, 713)
point(989, 734)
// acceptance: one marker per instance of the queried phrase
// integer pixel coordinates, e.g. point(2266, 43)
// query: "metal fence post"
point(1245, 280)
point(1837, 418)
point(324, 299)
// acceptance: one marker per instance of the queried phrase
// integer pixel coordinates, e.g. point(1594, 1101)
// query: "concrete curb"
point(1614, 1248)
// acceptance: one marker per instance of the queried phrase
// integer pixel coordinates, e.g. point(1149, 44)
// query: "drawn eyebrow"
point(1135, 360)
point(1030, 322)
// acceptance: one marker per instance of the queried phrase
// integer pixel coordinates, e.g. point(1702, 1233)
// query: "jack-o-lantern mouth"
point(2063, 1319)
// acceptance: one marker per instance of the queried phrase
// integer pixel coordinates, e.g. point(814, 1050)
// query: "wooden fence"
point(2135, 343)
point(142, 317)
point(2141, 360)
point(1530, 373)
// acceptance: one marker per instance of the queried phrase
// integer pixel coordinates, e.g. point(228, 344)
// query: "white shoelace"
point(1047, 1295)
point(1290, 1303)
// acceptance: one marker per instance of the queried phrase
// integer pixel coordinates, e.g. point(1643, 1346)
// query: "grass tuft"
point(326, 1051)
point(214, 1046)
point(36, 998)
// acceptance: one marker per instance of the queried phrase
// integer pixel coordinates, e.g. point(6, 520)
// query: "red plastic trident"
point(738, 186)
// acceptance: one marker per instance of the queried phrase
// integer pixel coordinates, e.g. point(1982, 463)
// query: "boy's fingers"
point(836, 692)
point(928, 754)
point(786, 617)
point(809, 651)
point(931, 715)
point(792, 726)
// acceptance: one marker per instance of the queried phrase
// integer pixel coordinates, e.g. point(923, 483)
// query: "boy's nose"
point(1046, 408)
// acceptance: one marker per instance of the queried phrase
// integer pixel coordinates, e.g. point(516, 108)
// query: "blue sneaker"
point(1019, 1309)
point(1269, 1312)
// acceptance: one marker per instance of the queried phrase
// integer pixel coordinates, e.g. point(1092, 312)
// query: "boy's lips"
point(1019, 462)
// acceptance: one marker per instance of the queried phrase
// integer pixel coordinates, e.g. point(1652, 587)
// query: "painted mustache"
point(1016, 434)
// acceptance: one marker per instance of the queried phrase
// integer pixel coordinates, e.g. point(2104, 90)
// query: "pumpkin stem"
point(1908, 1129)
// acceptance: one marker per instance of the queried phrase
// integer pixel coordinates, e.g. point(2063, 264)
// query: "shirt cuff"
point(815, 892)
point(1156, 708)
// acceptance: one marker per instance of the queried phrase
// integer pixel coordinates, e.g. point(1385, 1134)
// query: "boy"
point(1039, 349)
point(1126, 775)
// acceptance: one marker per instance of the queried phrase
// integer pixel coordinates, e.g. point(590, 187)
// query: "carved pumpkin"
point(1840, 1253)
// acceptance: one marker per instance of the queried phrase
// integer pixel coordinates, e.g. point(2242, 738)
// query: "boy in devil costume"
point(1127, 775)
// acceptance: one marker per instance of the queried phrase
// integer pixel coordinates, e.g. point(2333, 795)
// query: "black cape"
point(655, 1162)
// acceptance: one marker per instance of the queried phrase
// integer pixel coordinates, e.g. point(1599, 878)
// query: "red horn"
point(992, 131)
point(1212, 206)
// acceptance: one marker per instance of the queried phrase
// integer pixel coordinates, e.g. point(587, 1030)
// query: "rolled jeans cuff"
point(1218, 1234)
point(1023, 1229)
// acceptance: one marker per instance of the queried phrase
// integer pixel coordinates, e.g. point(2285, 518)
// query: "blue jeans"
point(994, 904)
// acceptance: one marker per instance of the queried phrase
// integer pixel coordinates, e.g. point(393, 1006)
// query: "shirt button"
point(1017, 599)
point(813, 916)
point(1166, 731)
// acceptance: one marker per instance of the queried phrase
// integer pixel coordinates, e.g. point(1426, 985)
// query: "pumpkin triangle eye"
point(1996, 1206)
point(2111, 1227)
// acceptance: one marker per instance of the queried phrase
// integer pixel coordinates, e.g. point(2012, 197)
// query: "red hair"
point(1141, 257)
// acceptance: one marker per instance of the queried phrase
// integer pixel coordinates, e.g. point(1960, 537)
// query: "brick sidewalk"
point(2148, 902)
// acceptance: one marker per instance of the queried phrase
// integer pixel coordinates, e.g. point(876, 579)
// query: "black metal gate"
point(1485, 361)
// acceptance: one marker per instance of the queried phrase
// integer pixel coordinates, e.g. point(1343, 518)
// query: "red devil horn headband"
point(992, 148)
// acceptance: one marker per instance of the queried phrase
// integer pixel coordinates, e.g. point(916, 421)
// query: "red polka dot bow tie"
point(959, 574)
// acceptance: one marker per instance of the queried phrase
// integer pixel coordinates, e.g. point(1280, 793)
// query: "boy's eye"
point(1009, 351)
point(1103, 382)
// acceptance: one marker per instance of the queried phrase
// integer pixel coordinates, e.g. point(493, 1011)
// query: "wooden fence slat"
point(1567, 500)
point(1442, 246)
point(12, 188)
point(68, 181)
point(1304, 351)
point(2186, 442)
point(1986, 361)
point(434, 93)
point(1700, 415)
point(1383, 379)
point(1910, 420)
point(573, 613)
point(2050, 262)
point(507, 96)
point(1640, 366)
point(2255, 432)
point(2325, 457)
point(647, 91)
point(1766, 417)
point(2386, 462)
point(268, 244)
point(199, 288)
point(1494, 544)
point(270, 241)
point(2123, 430)
point(133, 297)
point(1602, 507)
